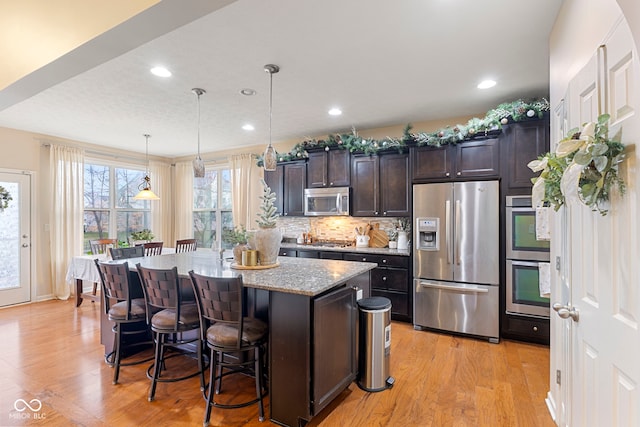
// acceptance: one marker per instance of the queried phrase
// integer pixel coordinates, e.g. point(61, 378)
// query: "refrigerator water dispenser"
point(428, 236)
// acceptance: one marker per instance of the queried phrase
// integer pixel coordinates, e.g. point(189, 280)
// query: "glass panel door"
point(15, 240)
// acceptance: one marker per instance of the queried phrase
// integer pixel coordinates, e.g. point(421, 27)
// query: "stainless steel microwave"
point(326, 201)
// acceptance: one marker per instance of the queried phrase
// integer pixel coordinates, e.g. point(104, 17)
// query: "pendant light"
point(198, 164)
point(145, 187)
point(270, 157)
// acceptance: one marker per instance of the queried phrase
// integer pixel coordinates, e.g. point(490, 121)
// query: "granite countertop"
point(350, 249)
point(302, 276)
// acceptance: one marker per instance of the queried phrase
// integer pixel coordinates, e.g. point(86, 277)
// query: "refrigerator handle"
point(447, 229)
point(457, 232)
point(454, 288)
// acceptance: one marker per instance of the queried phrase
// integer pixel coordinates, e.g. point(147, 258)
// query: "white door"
point(602, 261)
point(15, 240)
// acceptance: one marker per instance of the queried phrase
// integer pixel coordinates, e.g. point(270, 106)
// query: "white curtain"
point(245, 189)
point(67, 213)
point(161, 212)
point(183, 192)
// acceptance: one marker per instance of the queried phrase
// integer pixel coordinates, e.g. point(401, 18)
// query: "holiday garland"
point(515, 111)
point(583, 166)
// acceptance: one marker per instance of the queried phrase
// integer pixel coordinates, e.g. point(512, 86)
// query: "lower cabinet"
point(288, 252)
point(312, 348)
point(526, 328)
point(390, 280)
point(334, 346)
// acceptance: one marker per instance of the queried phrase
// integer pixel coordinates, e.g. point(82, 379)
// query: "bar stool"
point(172, 318)
point(126, 311)
point(220, 301)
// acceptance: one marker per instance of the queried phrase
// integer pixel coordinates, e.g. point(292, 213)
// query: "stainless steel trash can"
point(374, 346)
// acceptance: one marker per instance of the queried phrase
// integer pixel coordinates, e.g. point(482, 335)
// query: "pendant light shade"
point(198, 164)
point(270, 156)
point(145, 187)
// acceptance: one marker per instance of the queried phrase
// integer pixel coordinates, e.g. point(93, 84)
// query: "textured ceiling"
point(383, 62)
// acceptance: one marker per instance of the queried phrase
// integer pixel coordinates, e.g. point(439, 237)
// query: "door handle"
point(457, 232)
point(447, 229)
point(566, 311)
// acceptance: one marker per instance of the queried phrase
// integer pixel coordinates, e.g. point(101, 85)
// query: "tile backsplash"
point(331, 227)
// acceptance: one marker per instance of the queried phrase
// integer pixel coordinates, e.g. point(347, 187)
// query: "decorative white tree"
point(268, 214)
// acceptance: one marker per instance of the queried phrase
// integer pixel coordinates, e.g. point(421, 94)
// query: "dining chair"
point(124, 253)
point(99, 247)
point(169, 316)
point(122, 310)
point(152, 248)
point(227, 332)
point(186, 245)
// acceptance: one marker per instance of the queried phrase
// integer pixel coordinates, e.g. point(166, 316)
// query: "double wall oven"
point(526, 259)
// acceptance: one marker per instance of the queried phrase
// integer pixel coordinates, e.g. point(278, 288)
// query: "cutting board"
point(377, 237)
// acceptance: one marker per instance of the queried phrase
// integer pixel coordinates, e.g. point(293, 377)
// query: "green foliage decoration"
point(144, 234)
point(5, 198)
point(235, 236)
point(584, 165)
point(475, 128)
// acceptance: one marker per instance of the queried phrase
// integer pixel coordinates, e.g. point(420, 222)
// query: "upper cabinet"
point(328, 169)
point(288, 181)
point(380, 185)
point(520, 143)
point(466, 160)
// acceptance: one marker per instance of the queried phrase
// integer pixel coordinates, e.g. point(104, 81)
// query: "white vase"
point(403, 242)
point(267, 242)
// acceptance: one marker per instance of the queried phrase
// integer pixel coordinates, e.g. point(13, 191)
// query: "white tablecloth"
point(83, 267)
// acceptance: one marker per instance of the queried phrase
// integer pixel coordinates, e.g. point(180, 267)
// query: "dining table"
point(82, 268)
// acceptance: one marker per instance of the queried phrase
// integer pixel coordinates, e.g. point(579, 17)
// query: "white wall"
point(22, 151)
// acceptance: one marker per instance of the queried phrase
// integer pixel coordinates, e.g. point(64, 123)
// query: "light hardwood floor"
point(51, 351)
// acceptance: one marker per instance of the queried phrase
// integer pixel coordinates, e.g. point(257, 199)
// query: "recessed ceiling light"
point(486, 84)
point(247, 92)
point(335, 112)
point(248, 127)
point(160, 72)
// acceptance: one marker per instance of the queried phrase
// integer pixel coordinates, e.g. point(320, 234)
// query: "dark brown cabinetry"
point(381, 185)
point(466, 160)
point(288, 181)
point(526, 329)
point(312, 352)
point(391, 280)
point(275, 181)
point(328, 169)
point(522, 142)
point(334, 322)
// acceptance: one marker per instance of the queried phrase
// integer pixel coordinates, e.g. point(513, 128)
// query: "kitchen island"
point(311, 310)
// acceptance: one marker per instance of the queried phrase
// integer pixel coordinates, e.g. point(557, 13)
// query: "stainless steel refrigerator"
point(456, 257)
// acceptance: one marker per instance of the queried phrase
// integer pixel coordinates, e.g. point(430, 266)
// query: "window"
point(109, 207)
point(212, 207)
